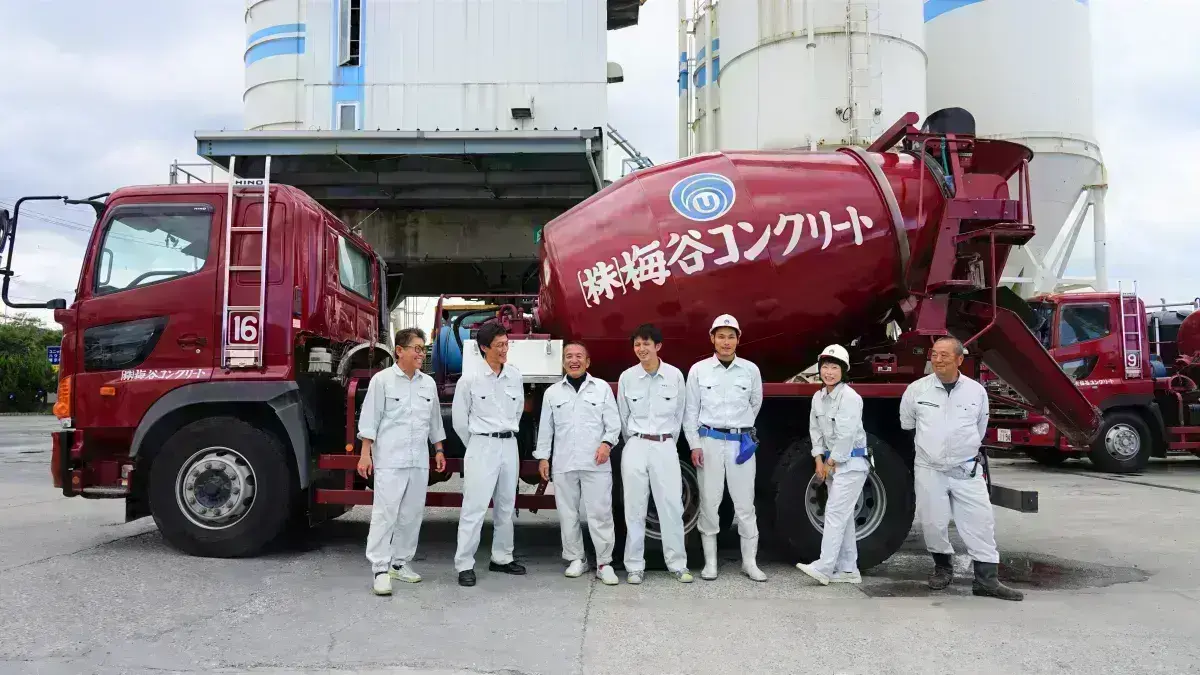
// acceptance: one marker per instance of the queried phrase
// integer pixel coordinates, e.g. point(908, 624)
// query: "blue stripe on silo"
point(280, 47)
point(683, 83)
point(275, 30)
point(701, 74)
point(349, 81)
point(936, 8)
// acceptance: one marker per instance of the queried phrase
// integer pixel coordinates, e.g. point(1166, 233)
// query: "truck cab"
point(202, 352)
point(1100, 341)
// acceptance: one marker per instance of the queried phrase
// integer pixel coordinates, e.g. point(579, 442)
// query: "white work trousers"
point(397, 508)
point(490, 474)
point(591, 490)
point(940, 497)
point(839, 543)
point(719, 468)
point(652, 467)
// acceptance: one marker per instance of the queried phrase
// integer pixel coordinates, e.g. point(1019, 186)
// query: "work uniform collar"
point(836, 393)
point(641, 370)
point(505, 371)
point(399, 371)
point(587, 377)
point(715, 362)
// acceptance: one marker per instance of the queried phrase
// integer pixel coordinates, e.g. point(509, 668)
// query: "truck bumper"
point(61, 446)
point(97, 478)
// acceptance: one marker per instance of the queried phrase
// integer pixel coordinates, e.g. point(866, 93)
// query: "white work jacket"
point(835, 426)
point(575, 423)
point(402, 417)
point(651, 404)
point(721, 397)
point(486, 403)
point(950, 426)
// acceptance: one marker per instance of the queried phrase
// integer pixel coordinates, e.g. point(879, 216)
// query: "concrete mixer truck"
point(228, 435)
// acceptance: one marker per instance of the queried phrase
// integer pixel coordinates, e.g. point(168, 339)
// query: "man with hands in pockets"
point(949, 412)
point(724, 395)
point(400, 417)
point(580, 424)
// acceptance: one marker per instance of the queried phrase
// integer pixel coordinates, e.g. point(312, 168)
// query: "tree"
point(25, 373)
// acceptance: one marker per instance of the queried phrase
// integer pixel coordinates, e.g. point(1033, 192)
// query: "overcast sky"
point(103, 94)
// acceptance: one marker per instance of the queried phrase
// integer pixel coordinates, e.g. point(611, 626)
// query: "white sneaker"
point(404, 573)
point(847, 577)
point(634, 578)
point(576, 569)
point(606, 575)
point(383, 584)
point(814, 573)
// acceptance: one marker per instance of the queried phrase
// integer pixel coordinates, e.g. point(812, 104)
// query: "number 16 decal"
point(243, 328)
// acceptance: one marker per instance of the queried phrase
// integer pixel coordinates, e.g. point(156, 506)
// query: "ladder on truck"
point(863, 83)
point(243, 325)
point(1131, 332)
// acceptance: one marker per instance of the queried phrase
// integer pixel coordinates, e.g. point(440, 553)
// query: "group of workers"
point(715, 406)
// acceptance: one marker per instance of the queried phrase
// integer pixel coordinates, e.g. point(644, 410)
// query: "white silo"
point(275, 58)
point(806, 73)
point(1023, 69)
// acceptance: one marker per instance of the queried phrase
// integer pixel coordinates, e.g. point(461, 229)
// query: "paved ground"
point(1109, 566)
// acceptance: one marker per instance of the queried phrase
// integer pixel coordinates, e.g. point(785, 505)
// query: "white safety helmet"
point(725, 321)
point(838, 355)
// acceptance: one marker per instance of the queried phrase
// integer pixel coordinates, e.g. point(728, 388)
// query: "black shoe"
point(466, 578)
point(510, 568)
point(988, 584)
point(943, 571)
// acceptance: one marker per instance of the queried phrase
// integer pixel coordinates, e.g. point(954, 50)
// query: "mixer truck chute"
point(805, 248)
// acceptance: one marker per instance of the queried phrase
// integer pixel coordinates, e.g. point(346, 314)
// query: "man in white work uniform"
point(486, 414)
point(950, 414)
point(580, 425)
point(650, 397)
point(724, 395)
point(400, 417)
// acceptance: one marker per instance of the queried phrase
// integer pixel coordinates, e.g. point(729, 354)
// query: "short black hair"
point(404, 336)
point(647, 331)
point(568, 343)
point(488, 333)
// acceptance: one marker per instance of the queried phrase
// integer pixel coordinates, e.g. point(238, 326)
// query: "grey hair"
point(958, 345)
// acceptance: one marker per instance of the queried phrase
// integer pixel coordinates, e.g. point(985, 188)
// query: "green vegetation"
point(26, 376)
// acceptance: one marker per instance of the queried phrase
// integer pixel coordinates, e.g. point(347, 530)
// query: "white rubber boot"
point(749, 566)
point(710, 556)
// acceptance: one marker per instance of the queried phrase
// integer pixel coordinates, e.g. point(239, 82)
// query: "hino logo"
point(703, 196)
point(249, 182)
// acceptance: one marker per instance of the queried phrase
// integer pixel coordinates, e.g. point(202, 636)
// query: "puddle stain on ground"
point(906, 575)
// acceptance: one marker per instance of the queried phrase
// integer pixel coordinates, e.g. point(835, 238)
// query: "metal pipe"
point(810, 49)
point(1100, 227)
point(684, 83)
point(710, 122)
point(592, 164)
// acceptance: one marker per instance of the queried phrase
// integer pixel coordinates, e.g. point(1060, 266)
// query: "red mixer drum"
point(802, 248)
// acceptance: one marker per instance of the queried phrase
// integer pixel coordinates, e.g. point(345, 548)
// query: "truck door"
point(147, 318)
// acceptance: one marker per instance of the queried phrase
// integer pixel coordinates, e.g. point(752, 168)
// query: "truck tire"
point(883, 515)
point(221, 488)
point(1123, 444)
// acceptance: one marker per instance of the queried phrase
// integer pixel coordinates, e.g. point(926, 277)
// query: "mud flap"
point(61, 460)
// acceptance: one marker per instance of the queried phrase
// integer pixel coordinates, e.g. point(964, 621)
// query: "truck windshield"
point(146, 244)
point(1043, 321)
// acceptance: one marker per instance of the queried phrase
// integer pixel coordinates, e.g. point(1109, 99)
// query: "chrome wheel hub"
point(215, 488)
point(868, 510)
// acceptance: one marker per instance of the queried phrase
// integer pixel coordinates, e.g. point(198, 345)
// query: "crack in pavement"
point(143, 533)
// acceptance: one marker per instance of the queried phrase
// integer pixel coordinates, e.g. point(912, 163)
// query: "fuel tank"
point(802, 248)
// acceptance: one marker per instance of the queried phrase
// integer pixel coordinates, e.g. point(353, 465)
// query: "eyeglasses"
point(420, 349)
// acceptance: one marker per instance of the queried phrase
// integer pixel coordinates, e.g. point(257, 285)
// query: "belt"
point(653, 437)
point(856, 452)
point(725, 434)
point(500, 434)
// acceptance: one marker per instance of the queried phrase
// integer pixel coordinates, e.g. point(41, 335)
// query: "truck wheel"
point(691, 503)
point(1047, 456)
point(1123, 445)
point(883, 515)
point(221, 488)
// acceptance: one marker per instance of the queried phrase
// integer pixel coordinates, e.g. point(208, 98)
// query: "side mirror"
point(5, 223)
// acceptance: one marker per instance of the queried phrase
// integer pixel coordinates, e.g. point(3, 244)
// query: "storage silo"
point(276, 68)
point(807, 73)
point(1023, 69)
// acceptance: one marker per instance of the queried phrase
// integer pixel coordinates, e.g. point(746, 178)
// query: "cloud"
point(99, 95)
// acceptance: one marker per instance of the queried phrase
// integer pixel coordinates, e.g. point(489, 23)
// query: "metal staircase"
point(636, 159)
point(242, 325)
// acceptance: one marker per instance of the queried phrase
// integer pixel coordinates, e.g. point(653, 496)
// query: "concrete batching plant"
point(773, 74)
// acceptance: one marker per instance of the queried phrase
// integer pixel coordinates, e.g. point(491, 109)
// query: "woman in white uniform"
point(840, 452)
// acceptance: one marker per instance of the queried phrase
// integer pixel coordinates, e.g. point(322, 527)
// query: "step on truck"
point(1138, 364)
point(218, 349)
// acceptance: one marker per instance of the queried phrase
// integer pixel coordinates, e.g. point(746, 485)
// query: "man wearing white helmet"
point(724, 395)
point(840, 451)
